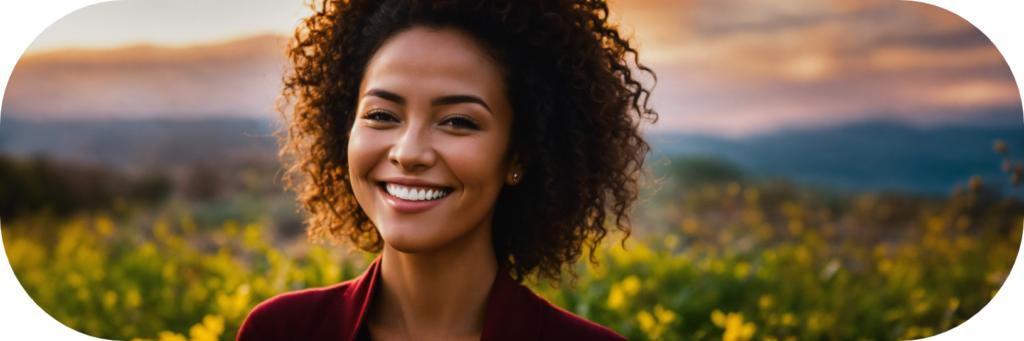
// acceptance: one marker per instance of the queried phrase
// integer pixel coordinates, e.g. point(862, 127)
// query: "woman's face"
point(433, 120)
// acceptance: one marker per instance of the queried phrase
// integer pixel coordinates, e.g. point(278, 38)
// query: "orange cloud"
point(794, 62)
point(239, 79)
point(724, 66)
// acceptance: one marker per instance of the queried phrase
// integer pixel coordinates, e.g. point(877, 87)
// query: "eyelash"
point(379, 116)
point(467, 123)
point(464, 122)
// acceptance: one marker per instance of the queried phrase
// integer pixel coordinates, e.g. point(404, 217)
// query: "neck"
point(440, 294)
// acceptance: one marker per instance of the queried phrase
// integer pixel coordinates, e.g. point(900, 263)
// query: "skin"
point(438, 264)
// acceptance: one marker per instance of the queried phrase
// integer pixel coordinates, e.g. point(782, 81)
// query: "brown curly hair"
point(577, 110)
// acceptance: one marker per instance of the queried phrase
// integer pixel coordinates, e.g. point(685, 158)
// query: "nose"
point(413, 150)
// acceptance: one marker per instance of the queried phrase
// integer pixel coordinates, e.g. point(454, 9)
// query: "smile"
point(407, 193)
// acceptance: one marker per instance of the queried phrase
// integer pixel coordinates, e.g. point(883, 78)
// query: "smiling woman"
point(473, 144)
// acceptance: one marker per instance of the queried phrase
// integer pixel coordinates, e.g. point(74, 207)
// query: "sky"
point(724, 67)
point(169, 23)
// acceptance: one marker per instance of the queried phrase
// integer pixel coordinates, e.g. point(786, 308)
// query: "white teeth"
point(414, 194)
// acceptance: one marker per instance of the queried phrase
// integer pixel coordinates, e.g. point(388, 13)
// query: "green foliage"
point(724, 261)
point(702, 170)
point(28, 186)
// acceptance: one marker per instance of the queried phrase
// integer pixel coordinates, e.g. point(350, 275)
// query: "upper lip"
point(412, 182)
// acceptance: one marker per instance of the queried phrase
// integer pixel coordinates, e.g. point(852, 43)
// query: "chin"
point(422, 238)
point(407, 242)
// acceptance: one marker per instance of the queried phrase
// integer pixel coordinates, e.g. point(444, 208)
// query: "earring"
point(515, 177)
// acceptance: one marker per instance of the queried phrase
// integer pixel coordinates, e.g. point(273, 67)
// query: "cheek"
point(365, 150)
point(478, 164)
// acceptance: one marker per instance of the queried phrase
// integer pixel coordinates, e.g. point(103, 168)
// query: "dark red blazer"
point(337, 313)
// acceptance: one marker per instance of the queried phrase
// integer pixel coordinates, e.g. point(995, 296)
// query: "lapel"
point(513, 311)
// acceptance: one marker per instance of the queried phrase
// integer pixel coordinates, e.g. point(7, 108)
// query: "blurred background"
point(823, 170)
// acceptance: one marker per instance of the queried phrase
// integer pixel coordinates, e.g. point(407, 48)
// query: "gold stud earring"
point(515, 177)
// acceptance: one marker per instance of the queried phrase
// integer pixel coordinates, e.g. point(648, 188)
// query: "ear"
point(516, 169)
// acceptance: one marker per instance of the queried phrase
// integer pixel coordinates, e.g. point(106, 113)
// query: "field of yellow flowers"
point(729, 261)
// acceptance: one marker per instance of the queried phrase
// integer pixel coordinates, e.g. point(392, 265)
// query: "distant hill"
point(140, 145)
point(865, 156)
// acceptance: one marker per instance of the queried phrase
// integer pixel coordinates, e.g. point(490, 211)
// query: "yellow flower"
point(741, 270)
point(664, 316)
point(171, 336)
point(133, 299)
point(718, 318)
point(671, 241)
point(647, 321)
point(209, 330)
point(215, 323)
point(803, 254)
point(616, 298)
point(927, 331)
point(631, 285)
point(230, 228)
point(735, 329)
point(75, 280)
point(788, 319)
point(796, 227)
point(104, 226)
point(654, 325)
point(252, 235)
point(235, 304)
point(885, 266)
point(765, 302)
point(109, 299)
point(911, 333)
point(691, 226)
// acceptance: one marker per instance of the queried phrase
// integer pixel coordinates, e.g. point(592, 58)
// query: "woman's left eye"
point(461, 122)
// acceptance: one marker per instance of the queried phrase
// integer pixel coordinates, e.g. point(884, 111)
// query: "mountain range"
point(863, 156)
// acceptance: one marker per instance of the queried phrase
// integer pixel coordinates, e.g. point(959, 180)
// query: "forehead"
point(424, 60)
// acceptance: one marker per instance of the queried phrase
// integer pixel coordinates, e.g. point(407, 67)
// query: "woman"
point(473, 144)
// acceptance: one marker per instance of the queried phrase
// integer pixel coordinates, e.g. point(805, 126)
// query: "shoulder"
point(559, 324)
point(294, 315)
point(563, 325)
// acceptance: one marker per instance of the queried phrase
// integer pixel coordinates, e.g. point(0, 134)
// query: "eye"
point(461, 122)
point(379, 116)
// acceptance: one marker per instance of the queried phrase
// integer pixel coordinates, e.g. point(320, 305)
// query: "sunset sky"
point(725, 67)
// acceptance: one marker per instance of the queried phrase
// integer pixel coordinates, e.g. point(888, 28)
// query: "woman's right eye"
point(380, 117)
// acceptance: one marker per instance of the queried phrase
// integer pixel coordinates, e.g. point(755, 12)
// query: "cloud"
point(741, 66)
point(238, 79)
point(724, 67)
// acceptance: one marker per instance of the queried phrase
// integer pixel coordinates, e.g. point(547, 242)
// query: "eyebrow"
point(439, 101)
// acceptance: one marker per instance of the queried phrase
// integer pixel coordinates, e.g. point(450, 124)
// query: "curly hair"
point(577, 112)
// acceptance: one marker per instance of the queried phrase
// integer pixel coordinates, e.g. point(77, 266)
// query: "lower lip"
point(403, 206)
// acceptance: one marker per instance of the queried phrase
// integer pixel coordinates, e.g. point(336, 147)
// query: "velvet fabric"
point(338, 312)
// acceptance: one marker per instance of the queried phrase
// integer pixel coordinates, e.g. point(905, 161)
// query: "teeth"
point(414, 194)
